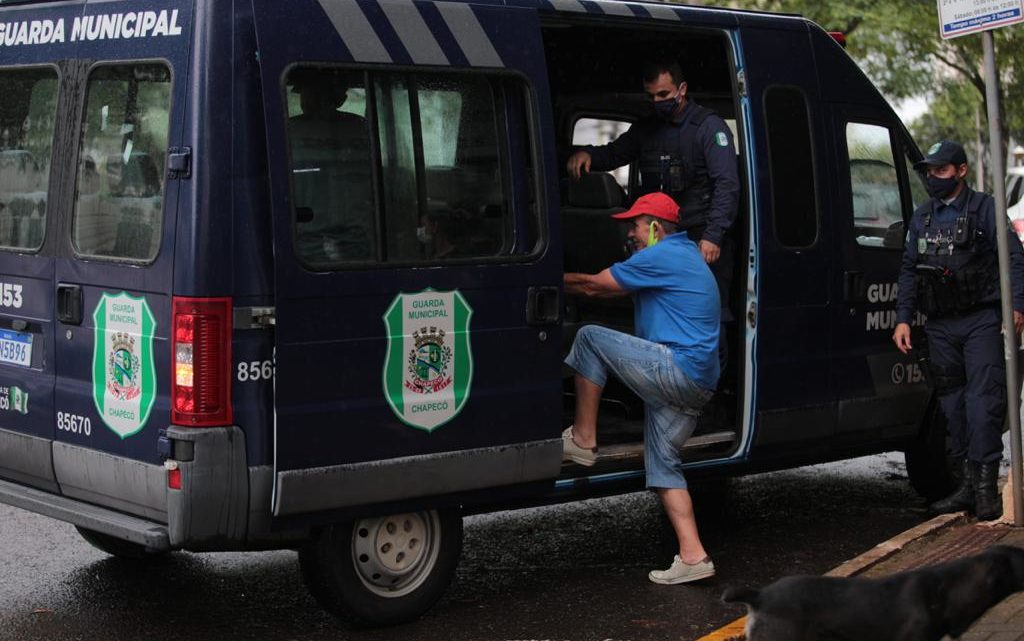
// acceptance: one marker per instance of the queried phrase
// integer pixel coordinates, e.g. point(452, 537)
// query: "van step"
point(129, 528)
point(636, 450)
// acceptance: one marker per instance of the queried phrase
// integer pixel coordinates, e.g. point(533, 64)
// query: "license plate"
point(16, 348)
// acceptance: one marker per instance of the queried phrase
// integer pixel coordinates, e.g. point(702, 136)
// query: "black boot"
point(987, 502)
point(962, 497)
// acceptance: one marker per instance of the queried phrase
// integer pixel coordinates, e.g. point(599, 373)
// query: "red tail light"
point(839, 37)
point(201, 380)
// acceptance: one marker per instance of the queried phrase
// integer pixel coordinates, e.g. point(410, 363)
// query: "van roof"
point(655, 8)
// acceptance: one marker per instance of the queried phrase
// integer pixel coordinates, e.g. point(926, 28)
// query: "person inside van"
point(453, 233)
point(950, 272)
point(671, 364)
point(331, 161)
point(687, 151)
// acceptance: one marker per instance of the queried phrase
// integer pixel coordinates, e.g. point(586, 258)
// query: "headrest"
point(596, 190)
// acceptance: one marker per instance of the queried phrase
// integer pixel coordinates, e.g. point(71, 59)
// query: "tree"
point(898, 46)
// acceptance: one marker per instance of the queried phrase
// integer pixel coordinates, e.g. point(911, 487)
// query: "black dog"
point(920, 605)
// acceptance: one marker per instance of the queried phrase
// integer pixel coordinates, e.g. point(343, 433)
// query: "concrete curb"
point(883, 551)
point(735, 631)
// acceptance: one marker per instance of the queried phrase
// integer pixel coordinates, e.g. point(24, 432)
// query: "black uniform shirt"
point(717, 163)
point(943, 218)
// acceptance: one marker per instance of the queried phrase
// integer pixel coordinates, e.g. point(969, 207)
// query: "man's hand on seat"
point(579, 164)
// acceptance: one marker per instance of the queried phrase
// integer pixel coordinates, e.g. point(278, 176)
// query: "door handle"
point(543, 306)
point(854, 290)
point(69, 304)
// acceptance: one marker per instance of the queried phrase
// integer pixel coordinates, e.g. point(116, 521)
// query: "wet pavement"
point(575, 572)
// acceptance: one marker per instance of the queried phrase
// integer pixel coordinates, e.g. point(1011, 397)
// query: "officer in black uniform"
point(950, 273)
point(686, 151)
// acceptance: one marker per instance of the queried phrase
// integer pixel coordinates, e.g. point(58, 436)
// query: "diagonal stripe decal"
point(416, 36)
point(469, 33)
point(355, 31)
point(662, 12)
point(568, 5)
point(615, 8)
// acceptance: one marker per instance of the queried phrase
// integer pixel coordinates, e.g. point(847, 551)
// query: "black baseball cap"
point(944, 152)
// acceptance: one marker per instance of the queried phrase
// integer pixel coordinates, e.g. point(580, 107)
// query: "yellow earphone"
point(652, 237)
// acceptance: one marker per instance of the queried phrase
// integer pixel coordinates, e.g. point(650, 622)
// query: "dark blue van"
point(288, 274)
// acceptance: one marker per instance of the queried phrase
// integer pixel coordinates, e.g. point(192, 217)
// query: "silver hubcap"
point(395, 554)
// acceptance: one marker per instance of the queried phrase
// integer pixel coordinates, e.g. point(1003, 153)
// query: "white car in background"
point(1015, 199)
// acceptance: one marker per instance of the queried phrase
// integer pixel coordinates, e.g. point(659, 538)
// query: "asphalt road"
point(574, 572)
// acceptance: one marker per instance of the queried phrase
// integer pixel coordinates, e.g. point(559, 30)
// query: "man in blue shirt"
point(685, 150)
point(672, 362)
point(950, 272)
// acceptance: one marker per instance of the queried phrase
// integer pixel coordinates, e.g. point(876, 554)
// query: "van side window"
point(439, 144)
point(28, 105)
point(874, 186)
point(332, 180)
point(794, 198)
point(119, 200)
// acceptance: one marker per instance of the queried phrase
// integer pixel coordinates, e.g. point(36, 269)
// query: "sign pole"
point(1006, 292)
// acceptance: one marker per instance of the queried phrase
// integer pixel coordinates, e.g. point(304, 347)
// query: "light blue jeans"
point(672, 400)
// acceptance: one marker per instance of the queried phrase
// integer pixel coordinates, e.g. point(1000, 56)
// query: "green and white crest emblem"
point(721, 139)
point(428, 369)
point(934, 148)
point(123, 372)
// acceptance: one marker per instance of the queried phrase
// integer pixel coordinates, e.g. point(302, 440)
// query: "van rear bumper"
point(100, 519)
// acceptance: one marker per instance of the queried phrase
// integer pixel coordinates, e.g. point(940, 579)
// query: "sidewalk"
point(963, 537)
point(942, 539)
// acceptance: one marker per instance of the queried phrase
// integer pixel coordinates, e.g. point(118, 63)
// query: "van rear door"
point(115, 257)
point(30, 169)
point(417, 279)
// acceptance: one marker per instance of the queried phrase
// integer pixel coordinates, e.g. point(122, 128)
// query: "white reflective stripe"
point(568, 5)
point(414, 32)
point(470, 34)
point(662, 12)
point(615, 8)
point(355, 31)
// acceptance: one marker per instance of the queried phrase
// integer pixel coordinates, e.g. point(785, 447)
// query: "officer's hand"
point(902, 337)
point(710, 251)
point(579, 163)
point(1018, 321)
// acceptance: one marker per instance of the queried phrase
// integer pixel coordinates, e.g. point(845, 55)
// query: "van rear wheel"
point(385, 570)
point(118, 547)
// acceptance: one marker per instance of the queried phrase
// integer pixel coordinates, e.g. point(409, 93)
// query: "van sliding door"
point(417, 282)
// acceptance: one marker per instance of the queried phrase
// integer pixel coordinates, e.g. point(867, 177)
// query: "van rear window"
point(399, 167)
point(28, 106)
point(119, 200)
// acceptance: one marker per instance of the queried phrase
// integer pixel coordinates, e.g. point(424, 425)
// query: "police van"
point(288, 275)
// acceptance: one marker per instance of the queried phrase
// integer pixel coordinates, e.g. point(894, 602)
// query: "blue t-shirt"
point(676, 304)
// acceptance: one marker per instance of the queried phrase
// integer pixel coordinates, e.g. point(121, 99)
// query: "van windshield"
point(28, 105)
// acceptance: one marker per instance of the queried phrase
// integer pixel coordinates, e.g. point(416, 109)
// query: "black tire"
point(928, 465)
point(120, 548)
point(383, 571)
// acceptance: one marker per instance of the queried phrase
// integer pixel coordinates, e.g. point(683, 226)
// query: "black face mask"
point(941, 188)
point(666, 108)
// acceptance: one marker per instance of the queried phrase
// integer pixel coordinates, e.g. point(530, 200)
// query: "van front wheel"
point(383, 571)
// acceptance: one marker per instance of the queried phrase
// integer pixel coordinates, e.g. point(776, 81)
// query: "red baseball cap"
point(654, 204)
